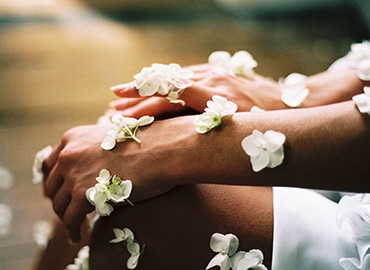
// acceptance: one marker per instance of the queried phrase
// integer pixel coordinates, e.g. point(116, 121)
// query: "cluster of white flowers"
point(216, 109)
point(241, 63)
point(265, 150)
point(124, 128)
point(81, 262)
point(166, 80)
point(228, 255)
point(295, 90)
point(109, 189)
point(38, 174)
point(359, 58)
point(133, 247)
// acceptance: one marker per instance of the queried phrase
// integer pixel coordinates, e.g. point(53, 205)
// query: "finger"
point(60, 201)
point(153, 106)
point(53, 182)
point(75, 215)
point(124, 103)
point(125, 90)
point(51, 160)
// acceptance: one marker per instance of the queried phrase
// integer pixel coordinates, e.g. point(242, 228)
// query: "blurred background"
point(58, 59)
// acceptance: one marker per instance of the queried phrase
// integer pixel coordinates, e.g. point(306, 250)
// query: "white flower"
point(163, 80)
point(124, 128)
point(295, 90)
point(42, 232)
point(359, 58)
point(217, 108)
point(6, 178)
point(6, 216)
point(248, 260)
point(133, 247)
point(257, 109)
point(355, 212)
point(81, 262)
point(38, 174)
point(362, 101)
point(110, 188)
point(265, 150)
point(122, 235)
point(226, 246)
point(241, 63)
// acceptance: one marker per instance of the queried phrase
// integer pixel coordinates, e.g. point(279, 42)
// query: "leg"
point(177, 227)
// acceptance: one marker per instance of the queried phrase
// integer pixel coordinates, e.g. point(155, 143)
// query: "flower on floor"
point(124, 128)
point(362, 101)
point(126, 236)
point(295, 90)
point(6, 178)
point(166, 80)
point(228, 255)
point(216, 109)
point(38, 174)
point(241, 63)
point(42, 231)
point(109, 189)
point(6, 216)
point(359, 58)
point(265, 150)
point(81, 262)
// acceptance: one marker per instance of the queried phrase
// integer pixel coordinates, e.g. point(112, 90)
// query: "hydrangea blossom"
point(241, 63)
point(38, 174)
point(217, 108)
point(228, 255)
point(362, 101)
point(124, 128)
point(354, 210)
point(81, 262)
point(6, 178)
point(6, 216)
point(42, 232)
point(265, 150)
point(133, 247)
point(166, 80)
point(110, 188)
point(295, 90)
point(359, 58)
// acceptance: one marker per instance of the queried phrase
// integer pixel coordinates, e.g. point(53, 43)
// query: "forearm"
point(333, 86)
point(324, 149)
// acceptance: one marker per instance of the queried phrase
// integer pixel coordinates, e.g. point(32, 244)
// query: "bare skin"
point(176, 227)
point(324, 149)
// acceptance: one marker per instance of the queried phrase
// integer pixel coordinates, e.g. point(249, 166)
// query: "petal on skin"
point(104, 176)
point(133, 261)
point(109, 142)
point(145, 120)
point(104, 209)
point(362, 102)
point(249, 146)
point(234, 260)
point(294, 95)
point(233, 244)
point(276, 157)
point(219, 242)
point(119, 236)
point(219, 260)
point(133, 248)
point(247, 263)
point(260, 162)
point(273, 140)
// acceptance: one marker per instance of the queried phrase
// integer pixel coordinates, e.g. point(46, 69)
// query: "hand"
point(260, 91)
point(77, 160)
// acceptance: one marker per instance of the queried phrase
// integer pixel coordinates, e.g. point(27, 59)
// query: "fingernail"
point(119, 87)
point(114, 103)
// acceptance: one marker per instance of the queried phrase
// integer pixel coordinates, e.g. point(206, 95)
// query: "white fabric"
point(306, 235)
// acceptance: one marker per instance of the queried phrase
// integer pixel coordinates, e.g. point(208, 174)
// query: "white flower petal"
point(273, 140)
point(132, 261)
point(104, 176)
point(38, 174)
point(294, 95)
point(260, 162)
point(219, 260)
point(233, 244)
point(6, 216)
point(42, 231)
point(219, 242)
point(6, 178)
point(145, 120)
point(104, 209)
